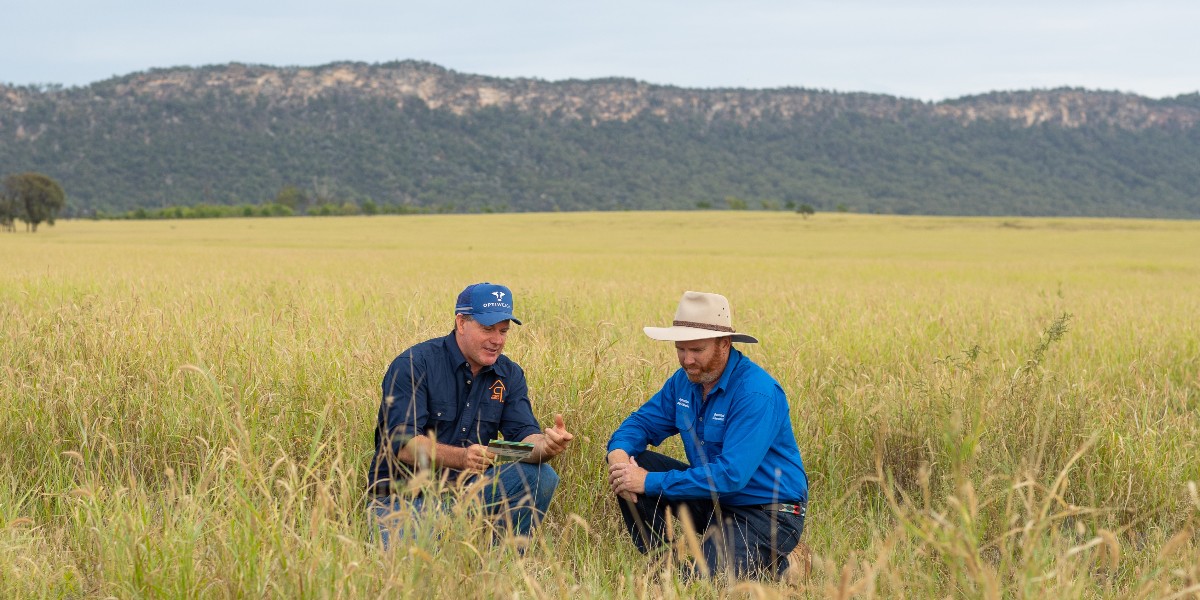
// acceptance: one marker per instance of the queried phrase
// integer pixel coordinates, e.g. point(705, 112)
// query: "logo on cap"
point(487, 302)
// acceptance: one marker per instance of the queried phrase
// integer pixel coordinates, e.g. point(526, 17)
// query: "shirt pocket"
point(487, 420)
point(685, 421)
point(491, 411)
point(714, 437)
point(442, 415)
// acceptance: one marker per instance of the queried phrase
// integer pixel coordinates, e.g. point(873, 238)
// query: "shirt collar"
point(735, 357)
point(453, 353)
point(458, 361)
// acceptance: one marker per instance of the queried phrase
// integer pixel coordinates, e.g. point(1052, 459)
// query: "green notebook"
point(505, 450)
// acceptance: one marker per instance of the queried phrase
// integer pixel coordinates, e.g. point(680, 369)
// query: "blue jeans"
point(518, 497)
point(746, 541)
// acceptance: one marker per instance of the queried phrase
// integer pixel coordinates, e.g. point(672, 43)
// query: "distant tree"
point(291, 197)
point(8, 210)
point(38, 198)
point(369, 207)
point(735, 203)
point(805, 210)
point(275, 209)
point(703, 204)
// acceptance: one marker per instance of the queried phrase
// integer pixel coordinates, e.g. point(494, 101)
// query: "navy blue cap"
point(487, 303)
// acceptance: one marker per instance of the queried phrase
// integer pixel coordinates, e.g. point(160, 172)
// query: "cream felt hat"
point(700, 316)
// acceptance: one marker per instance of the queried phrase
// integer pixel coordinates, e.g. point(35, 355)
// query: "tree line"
point(292, 201)
point(32, 198)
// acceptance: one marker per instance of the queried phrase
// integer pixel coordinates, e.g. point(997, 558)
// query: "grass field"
point(986, 407)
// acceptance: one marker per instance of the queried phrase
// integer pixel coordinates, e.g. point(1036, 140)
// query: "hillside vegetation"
point(416, 137)
point(987, 408)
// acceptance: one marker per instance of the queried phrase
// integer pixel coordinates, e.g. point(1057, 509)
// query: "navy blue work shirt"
point(429, 390)
point(738, 440)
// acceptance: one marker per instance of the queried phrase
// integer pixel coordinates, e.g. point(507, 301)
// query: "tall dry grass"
point(986, 408)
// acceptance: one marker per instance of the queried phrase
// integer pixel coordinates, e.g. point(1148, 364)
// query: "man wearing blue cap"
point(444, 400)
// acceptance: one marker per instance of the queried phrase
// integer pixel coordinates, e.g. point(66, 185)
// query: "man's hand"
point(476, 458)
point(625, 477)
point(423, 453)
point(557, 438)
point(551, 442)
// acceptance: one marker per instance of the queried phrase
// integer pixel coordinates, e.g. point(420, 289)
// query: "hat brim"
point(688, 334)
point(489, 319)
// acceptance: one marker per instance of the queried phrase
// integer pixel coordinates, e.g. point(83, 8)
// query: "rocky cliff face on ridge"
point(604, 99)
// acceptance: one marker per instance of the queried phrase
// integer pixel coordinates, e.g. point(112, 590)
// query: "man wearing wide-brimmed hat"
point(744, 487)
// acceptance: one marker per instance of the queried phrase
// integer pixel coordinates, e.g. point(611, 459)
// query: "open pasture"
point(986, 407)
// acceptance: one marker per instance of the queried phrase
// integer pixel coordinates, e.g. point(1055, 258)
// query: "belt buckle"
point(795, 509)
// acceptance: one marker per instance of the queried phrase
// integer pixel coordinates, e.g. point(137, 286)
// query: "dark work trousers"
point(744, 541)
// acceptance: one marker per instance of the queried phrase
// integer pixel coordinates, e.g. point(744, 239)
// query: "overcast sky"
point(927, 49)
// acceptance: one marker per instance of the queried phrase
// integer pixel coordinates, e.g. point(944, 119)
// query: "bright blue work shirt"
point(739, 441)
point(429, 390)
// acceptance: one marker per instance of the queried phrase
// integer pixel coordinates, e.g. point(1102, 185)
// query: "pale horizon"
point(928, 50)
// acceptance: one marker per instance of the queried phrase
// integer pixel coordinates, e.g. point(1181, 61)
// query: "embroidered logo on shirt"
point(497, 390)
point(718, 416)
point(684, 403)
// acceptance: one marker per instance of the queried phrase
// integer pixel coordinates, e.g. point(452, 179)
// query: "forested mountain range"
point(416, 136)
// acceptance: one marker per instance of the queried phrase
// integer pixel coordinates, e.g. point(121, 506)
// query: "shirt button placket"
point(468, 381)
